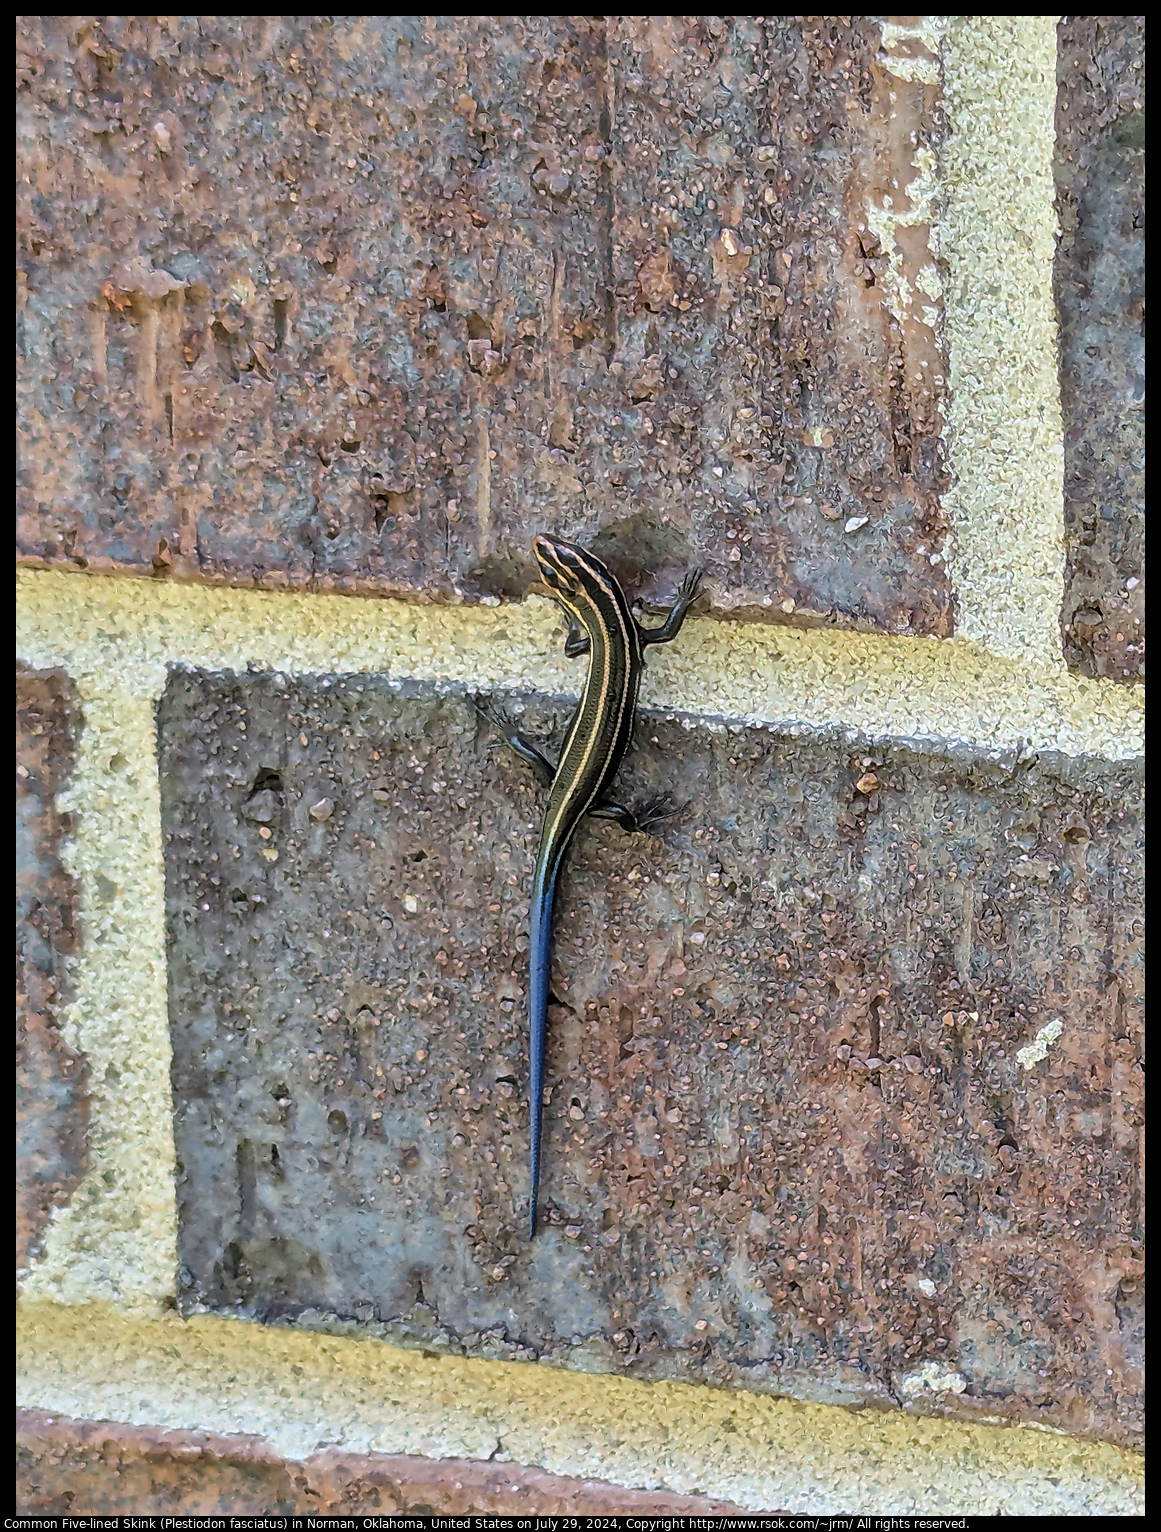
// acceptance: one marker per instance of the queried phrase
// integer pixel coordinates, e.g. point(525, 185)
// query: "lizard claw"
point(495, 723)
point(493, 716)
point(655, 809)
point(690, 586)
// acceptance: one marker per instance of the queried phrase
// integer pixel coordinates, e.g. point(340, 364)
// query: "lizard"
point(603, 627)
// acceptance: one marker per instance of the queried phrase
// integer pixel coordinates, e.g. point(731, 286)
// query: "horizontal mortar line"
point(303, 1389)
point(873, 685)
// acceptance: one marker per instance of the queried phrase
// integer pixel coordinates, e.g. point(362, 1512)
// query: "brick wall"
point(320, 321)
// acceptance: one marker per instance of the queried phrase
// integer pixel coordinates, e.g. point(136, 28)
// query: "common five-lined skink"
point(598, 736)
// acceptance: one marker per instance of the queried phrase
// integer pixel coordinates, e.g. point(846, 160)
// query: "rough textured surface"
point(805, 1010)
point(117, 636)
point(116, 1237)
point(821, 677)
point(51, 1097)
point(357, 303)
point(81, 1467)
point(1100, 288)
point(304, 1392)
point(997, 238)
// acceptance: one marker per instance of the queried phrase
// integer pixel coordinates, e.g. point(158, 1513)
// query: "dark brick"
point(1100, 290)
point(360, 304)
point(784, 1083)
point(51, 1098)
point(84, 1467)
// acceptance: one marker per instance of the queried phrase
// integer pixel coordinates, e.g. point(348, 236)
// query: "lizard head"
point(563, 566)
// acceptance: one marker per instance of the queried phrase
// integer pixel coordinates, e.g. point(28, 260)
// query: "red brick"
point(789, 1144)
point(81, 1467)
point(1100, 291)
point(360, 305)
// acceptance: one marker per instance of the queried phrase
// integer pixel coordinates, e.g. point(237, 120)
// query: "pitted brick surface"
point(1100, 287)
point(361, 303)
point(791, 1143)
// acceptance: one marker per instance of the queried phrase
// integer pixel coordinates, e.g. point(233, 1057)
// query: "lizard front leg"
point(687, 593)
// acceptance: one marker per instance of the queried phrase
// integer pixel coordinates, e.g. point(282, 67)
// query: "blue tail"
point(540, 963)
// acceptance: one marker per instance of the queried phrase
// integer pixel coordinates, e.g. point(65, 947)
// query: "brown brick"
point(789, 1144)
point(360, 304)
point(1100, 288)
point(51, 1099)
point(82, 1467)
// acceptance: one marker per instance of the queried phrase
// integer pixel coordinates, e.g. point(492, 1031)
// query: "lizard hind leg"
point(651, 812)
